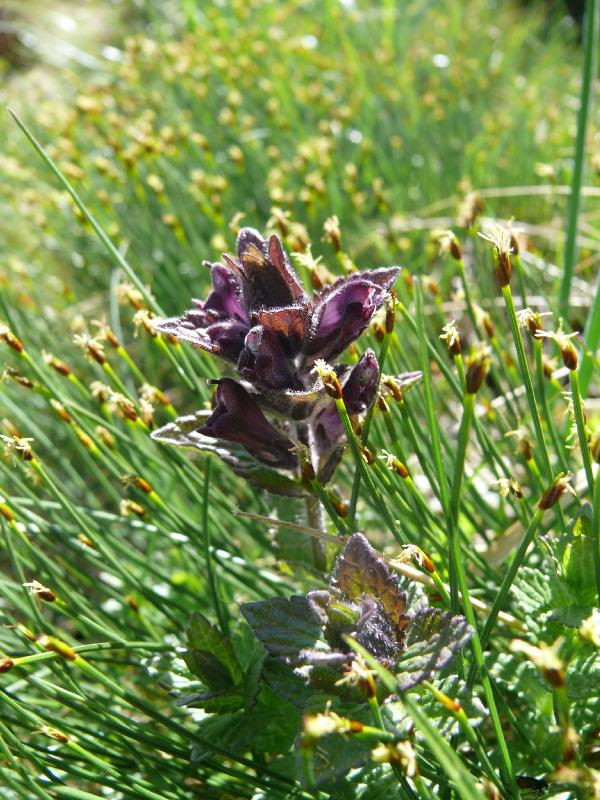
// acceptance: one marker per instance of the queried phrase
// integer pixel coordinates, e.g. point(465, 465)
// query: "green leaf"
point(335, 756)
point(285, 683)
point(577, 558)
point(270, 727)
point(377, 783)
point(585, 713)
point(449, 761)
point(284, 627)
point(571, 616)
point(210, 655)
point(537, 593)
point(583, 673)
point(432, 640)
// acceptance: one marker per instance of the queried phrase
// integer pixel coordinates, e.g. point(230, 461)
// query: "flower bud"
point(57, 646)
point(8, 337)
point(560, 485)
point(478, 365)
point(40, 591)
point(338, 504)
point(57, 365)
point(390, 314)
point(569, 356)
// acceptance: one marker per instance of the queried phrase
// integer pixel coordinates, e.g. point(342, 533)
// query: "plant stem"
point(431, 415)
point(539, 369)
point(366, 476)
point(212, 583)
point(459, 464)
point(581, 430)
point(461, 581)
point(596, 531)
point(507, 583)
point(526, 377)
point(378, 719)
point(586, 95)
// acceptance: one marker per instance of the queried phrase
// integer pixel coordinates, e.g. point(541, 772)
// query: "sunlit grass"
point(402, 126)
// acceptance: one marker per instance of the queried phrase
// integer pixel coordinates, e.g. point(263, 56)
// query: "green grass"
point(386, 120)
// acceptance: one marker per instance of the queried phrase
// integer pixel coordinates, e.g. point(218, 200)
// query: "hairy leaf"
point(432, 640)
point(583, 673)
point(284, 627)
point(210, 655)
point(359, 571)
point(270, 727)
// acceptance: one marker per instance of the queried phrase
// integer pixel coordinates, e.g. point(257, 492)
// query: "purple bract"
point(259, 318)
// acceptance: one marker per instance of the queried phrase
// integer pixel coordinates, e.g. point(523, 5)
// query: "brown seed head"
point(57, 365)
point(390, 314)
point(500, 239)
point(8, 337)
point(553, 494)
point(477, 368)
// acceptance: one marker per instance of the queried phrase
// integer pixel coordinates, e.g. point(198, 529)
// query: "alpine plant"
point(259, 319)
point(385, 613)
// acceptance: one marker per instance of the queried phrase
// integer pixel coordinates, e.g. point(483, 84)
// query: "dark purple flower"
point(237, 418)
point(360, 385)
point(264, 272)
point(218, 324)
point(259, 317)
point(341, 314)
point(358, 390)
point(263, 361)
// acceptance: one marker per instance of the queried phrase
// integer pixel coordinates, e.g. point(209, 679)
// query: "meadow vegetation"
point(452, 647)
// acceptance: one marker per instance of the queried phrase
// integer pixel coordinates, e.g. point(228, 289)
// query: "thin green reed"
point(592, 28)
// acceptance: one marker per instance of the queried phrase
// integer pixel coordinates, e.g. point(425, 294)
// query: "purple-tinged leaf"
point(432, 640)
point(284, 627)
point(359, 571)
point(224, 338)
point(183, 432)
point(237, 418)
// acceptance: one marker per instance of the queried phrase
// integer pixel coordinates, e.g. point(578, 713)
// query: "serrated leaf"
point(337, 754)
point(214, 702)
point(578, 556)
point(432, 640)
point(284, 627)
point(585, 713)
point(210, 655)
point(270, 727)
point(360, 571)
point(376, 783)
point(583, 673)
point(287, 684)
point(537, 593)
point(571, 616)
